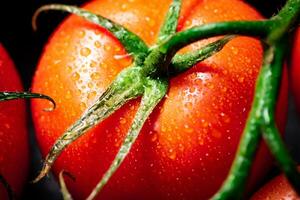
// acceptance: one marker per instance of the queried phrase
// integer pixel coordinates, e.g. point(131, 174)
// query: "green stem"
point(186, 37)
point(170, 23)
point(132, 43)
point(283, 157)
point(284, 20)
point(128, 85)
point(234, 184)
point(155, 90)
point(269, 130)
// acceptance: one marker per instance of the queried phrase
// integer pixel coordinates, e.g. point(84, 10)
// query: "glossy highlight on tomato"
point(186, 147)
point(14, 149)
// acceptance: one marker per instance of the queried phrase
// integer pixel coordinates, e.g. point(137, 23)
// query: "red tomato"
point(13, 135)
point(295, 69)
point(186, 147)
point(277, 189)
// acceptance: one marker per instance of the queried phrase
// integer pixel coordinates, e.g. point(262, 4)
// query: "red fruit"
point(13, 131)
point(295, 69)
point(277, 189)
point(186, 147)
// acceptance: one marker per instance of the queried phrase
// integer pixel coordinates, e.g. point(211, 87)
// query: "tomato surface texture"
point(295, 69)
point(277, 189)
point(187, 145)
point(13, 135)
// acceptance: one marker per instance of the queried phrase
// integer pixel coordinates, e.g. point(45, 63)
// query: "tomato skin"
point(277, 189)
point(177, 156)
point(14, 149)
point(295, 69)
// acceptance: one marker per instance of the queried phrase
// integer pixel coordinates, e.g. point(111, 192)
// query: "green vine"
point(152, 68)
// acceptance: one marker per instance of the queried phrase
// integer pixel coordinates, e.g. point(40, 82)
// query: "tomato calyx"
point(10, 192)
point(146, 77)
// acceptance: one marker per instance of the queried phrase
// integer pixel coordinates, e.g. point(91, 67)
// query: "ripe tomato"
point(295, 69)
point(277, 189)
point(13, 135)
point(186, 147)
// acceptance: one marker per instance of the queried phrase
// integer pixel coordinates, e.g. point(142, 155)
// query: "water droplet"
point(216, 133)
point(97, 44)
point(248, 60)
point(117, 49)
point(69, 68)
point(90, 85)
point(81, 33)
point(72, 58)
point(154, 137)
point(82, 106)
point(85, 51)
point(235, 51)
point(42, 118)
point(224, 89)
point(171, 154)
point(124, 6)
point(241, 79)
point(92, 95)
point(104, 65)
point(150, 21)
point(75, 76)
point(188, 23)
point(95, 76)
point(181, 147)
point(107, 47)
point(68, 95)
point(189, 105)
point(204, 123)
point(7, 125)
point(123, 120)
point(93, 63)
point(188, 129)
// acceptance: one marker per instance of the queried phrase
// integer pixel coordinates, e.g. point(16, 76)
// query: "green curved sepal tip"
point(171, 21)
point(132, 43)
point(5, 96)
point(63, 187)
point(183, 62)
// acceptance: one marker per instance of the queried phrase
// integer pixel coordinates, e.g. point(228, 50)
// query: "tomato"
point(186, 147)
point(14, 149)
point(277, 189)
point(295, 69)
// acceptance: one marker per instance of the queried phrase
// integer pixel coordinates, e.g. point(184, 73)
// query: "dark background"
point(25, 47)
